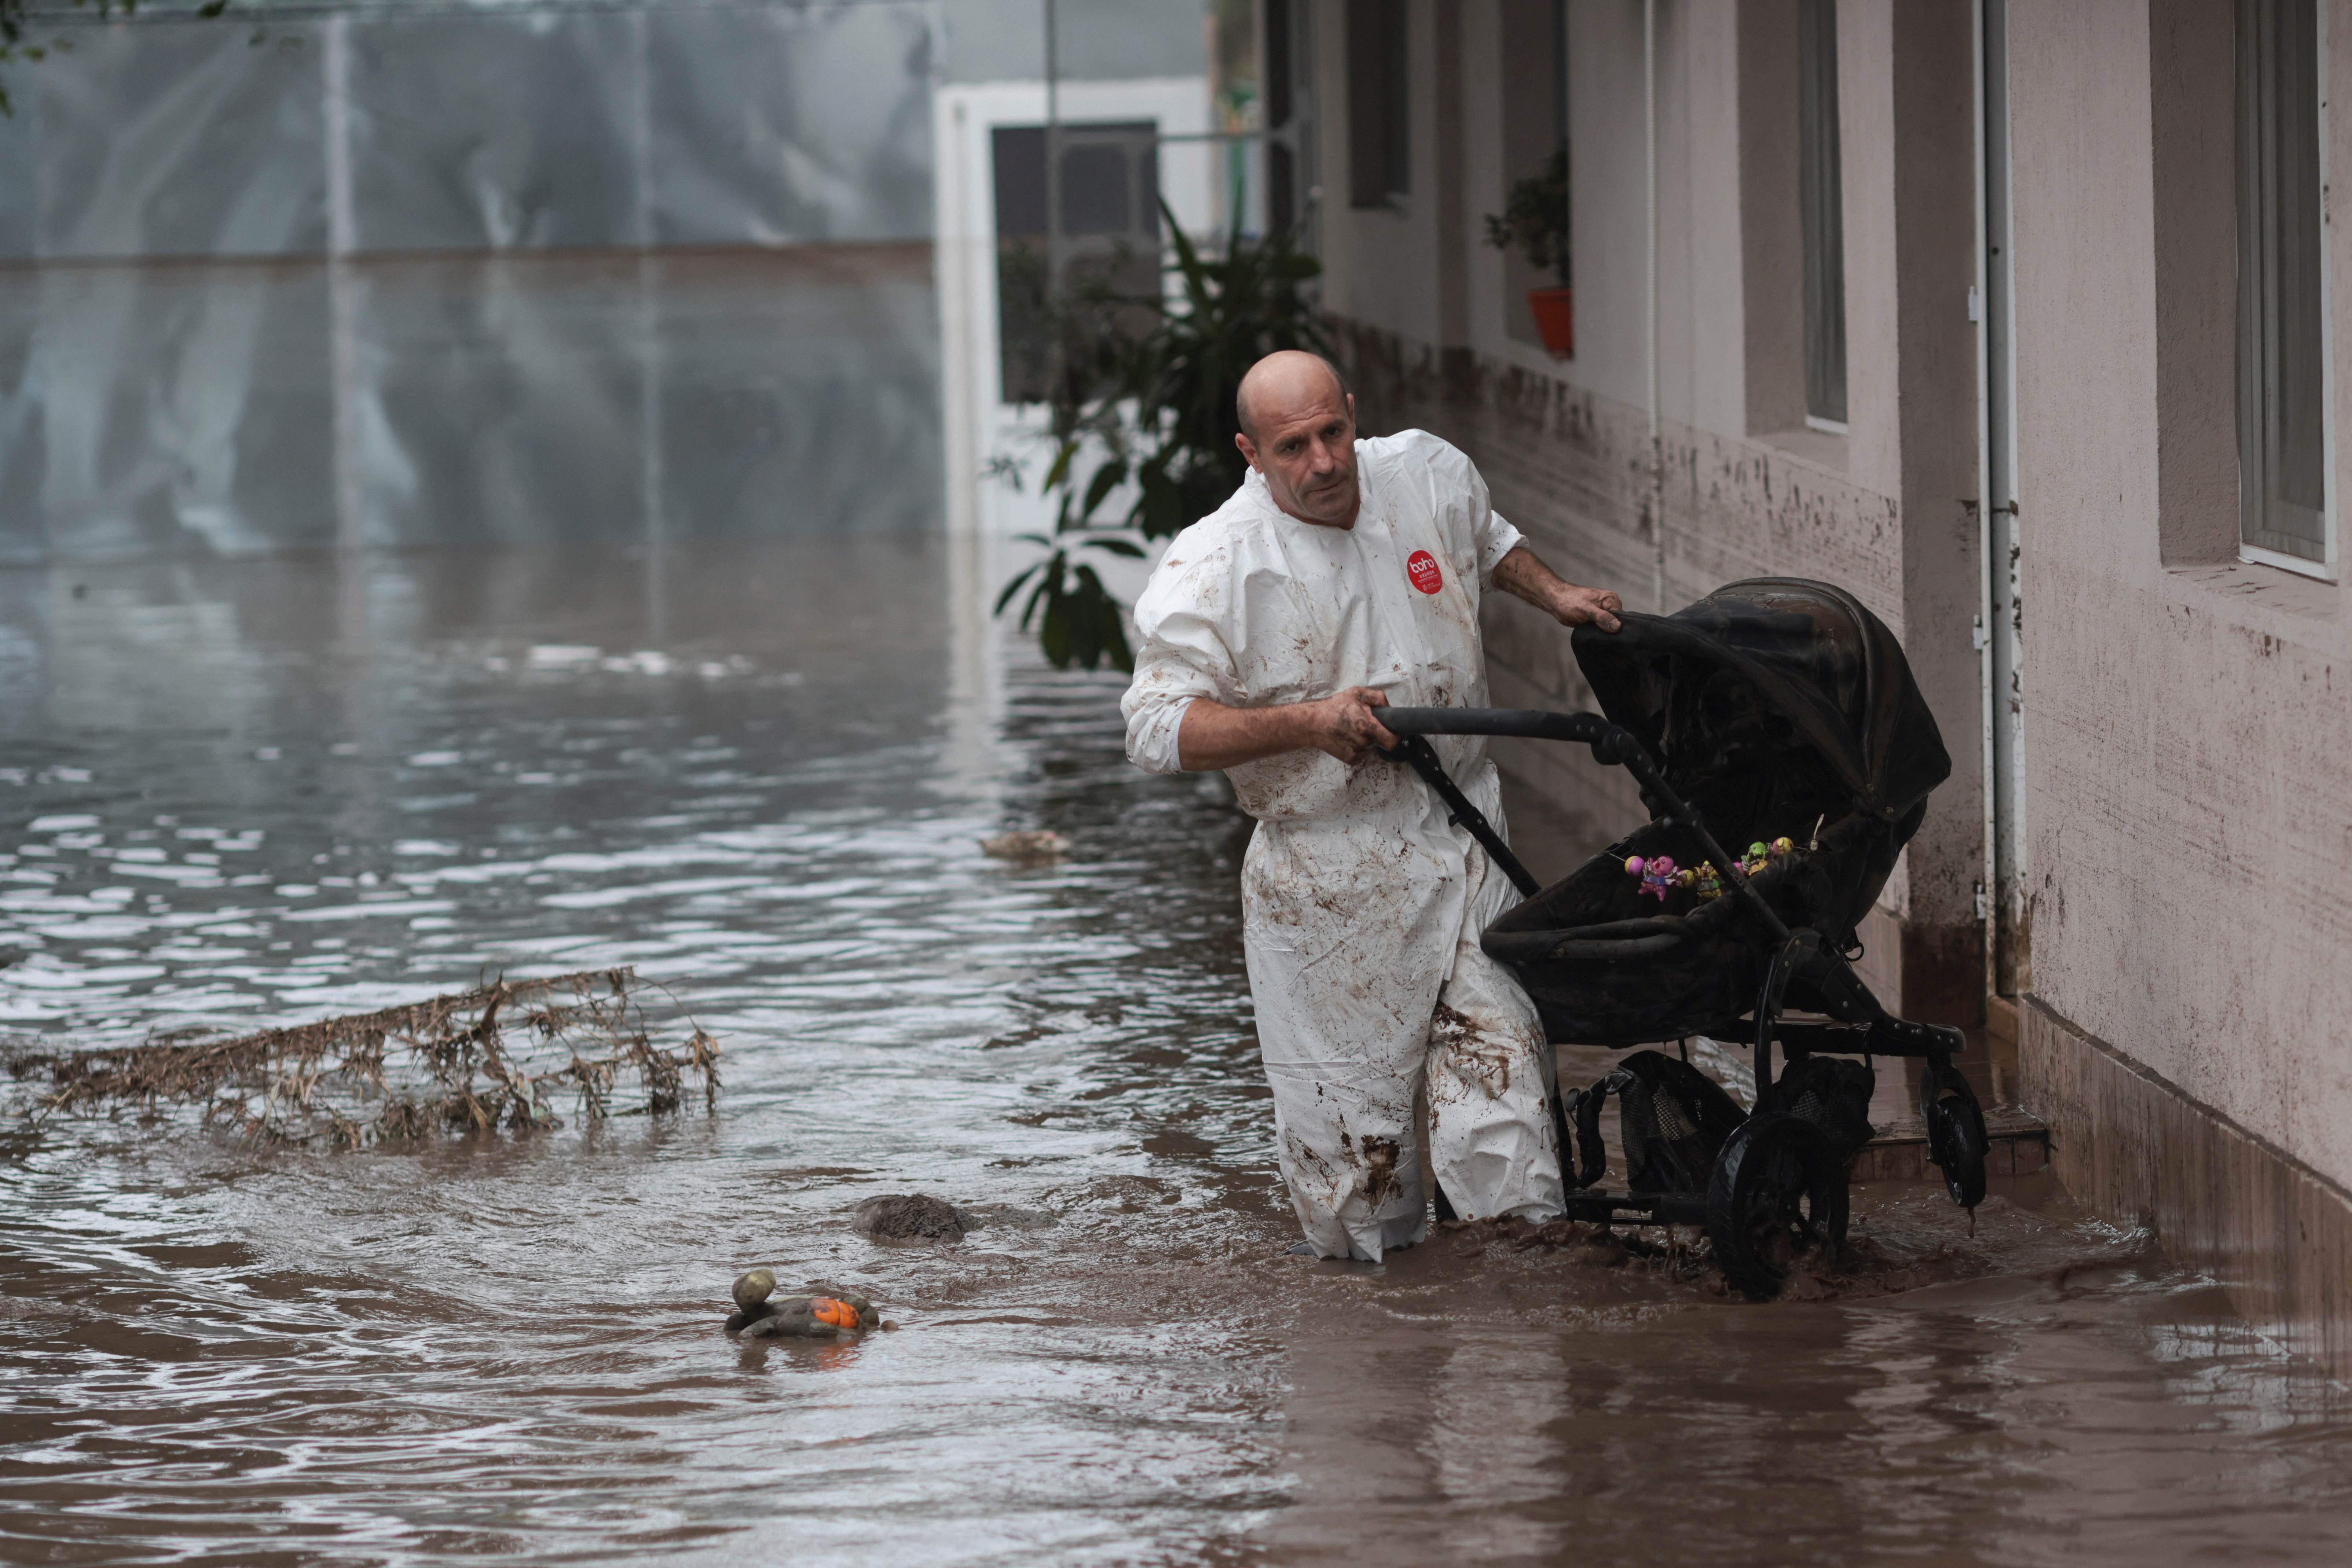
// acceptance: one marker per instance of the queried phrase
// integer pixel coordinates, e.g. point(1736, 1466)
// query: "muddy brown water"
point(239, 794)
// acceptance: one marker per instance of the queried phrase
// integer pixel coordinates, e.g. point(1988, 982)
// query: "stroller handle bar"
point(1534, 723)
point(1613, 745)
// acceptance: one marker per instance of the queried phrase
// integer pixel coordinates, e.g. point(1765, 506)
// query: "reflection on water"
point(259, 792)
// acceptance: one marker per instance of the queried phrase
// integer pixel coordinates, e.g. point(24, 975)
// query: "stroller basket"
point(1773, 709)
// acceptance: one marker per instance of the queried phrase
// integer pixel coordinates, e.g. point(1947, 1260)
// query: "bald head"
point(1287, 378)
point(1298, 429)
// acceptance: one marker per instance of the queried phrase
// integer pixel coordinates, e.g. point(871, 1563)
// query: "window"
point(1109, 238)
point(2282, 301)
point(1534, 162)
point(1821, 202)
point(1379, 149)
point(1281, 162)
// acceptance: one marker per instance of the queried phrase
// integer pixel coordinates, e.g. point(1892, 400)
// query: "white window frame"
point(2325, 569)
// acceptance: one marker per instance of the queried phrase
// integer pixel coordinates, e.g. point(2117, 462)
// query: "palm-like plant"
point(1165, 420)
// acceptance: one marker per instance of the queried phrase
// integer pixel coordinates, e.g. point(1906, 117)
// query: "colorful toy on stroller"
point(1777, 715)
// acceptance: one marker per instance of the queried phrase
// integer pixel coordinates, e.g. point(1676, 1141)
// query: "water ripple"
point(508, 1348)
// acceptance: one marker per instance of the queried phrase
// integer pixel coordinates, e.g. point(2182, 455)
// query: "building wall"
point(2189, 807)
point(1425, 315)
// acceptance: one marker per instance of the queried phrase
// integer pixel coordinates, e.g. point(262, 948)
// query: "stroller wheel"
point(1956, 1140)
point(1778, 1194)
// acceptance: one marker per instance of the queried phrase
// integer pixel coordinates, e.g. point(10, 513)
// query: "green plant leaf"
point(1013, 587)
point(1048, 590)
point(1106, 478)
point(1037, 596)
point(1083, 617)
point(1159, 512)
point(1089, 604)
point(1188, 259)
point(1054, 631)
point(1155, 406)
point(1098, 629)
point(1204, 491)
point(1114, 637)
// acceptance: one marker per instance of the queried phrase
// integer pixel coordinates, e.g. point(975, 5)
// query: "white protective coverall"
point(1362, 906)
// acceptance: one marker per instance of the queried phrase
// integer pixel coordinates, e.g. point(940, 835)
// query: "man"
point(1342, 576)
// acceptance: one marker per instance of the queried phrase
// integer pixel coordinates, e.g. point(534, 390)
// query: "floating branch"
point(471, 1063)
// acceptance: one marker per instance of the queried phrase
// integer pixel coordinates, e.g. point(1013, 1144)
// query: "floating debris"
point(1031, 846)
point(821, 1311)
point(469, 1063)
point(912, 1216)
point(753, 1287)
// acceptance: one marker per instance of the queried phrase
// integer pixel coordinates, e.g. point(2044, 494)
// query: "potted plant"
point(1535, 219)
point(1153, 412)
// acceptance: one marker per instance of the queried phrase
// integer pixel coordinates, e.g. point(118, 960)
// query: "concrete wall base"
point(2135, 1148)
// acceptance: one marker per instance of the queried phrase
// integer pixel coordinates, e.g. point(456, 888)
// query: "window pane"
point(1400, 150)
point(1277, 66)
point(1559, 73)
point(1094, 196)
point(1379, 143)
point(1110, 238)
point(1018, 162)
point(2282, 403)
point(1822, 196)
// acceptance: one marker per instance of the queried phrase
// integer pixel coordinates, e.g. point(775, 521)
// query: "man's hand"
point(1574, 606)
point(1523, 575)
point(1341, 725)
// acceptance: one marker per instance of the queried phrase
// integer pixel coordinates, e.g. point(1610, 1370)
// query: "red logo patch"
point(1421, 567)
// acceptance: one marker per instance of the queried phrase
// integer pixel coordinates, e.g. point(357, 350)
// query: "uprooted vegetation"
point(496, 1057)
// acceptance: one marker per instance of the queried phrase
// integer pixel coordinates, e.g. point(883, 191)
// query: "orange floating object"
point(840, 1314)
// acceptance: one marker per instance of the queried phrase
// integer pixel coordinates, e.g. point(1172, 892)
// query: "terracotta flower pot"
point(1555, 310)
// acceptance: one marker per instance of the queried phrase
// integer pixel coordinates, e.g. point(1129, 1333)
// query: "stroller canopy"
point(1775, 706)
point(1770, 698)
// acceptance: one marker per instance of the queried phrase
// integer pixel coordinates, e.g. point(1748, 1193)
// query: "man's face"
point(1306, 447)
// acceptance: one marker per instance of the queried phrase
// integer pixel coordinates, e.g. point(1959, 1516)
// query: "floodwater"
point(267, 791)
point(272, 790)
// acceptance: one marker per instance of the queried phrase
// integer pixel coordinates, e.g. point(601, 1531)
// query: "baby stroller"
point(1775, 714)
